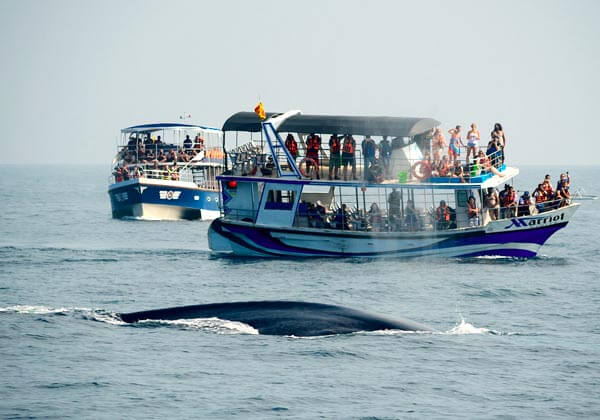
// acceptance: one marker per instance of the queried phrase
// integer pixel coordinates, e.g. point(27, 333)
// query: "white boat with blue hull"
point(273, 209)
point(167, 172)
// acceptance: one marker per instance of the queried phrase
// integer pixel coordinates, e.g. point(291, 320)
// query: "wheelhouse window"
point(280, 200)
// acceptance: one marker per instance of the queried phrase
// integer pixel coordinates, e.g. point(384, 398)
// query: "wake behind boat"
point(338, 202)
point(167, 172)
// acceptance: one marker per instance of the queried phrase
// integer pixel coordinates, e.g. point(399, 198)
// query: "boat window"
point(461, 198)
point(280, 200)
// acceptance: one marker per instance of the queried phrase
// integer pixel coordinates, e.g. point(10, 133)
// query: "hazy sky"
point(74, 72)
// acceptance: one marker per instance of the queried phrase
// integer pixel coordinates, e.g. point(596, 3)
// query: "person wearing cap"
point(524, 208)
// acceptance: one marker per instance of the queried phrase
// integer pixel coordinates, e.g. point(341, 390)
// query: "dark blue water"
point(517, 339)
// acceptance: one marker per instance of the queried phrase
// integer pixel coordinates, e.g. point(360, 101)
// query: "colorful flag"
point(260, 111)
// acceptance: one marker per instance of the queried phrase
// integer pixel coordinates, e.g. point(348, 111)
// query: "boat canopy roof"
point(336, 124)
point(149, 128)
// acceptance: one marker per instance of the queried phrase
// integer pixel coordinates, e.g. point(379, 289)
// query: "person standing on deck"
point(292, 146)
point(348, 149)
point(385, 154)
point(368, 149)
point(499, 132)
point(313, 144)
point(335, 157)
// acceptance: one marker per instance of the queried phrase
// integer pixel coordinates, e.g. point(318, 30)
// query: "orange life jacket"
point(445, 216)
point(349, 146)
point(508, 199)
point(334, 144)
point(292, 146)
point(313, 143)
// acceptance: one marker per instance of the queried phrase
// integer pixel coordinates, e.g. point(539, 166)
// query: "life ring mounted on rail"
point(421, 170)
point(305, 165)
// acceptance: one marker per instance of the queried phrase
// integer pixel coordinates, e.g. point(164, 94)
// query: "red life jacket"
point(348, 146)
point(508, 199)
point(445, 216)
point(313, 143)
point(292, 146)
point(334, 144)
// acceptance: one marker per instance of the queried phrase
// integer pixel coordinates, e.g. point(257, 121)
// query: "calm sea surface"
point(519, 339)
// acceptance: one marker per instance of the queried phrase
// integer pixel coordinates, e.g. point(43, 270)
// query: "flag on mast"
point(260, 111)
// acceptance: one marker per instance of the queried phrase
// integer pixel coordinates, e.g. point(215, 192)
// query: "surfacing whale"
point(300, 319)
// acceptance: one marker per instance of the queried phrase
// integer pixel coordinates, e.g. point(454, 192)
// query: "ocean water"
point(517, 338)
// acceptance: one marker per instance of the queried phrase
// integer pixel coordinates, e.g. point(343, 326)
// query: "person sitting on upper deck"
point(369, 149)
point(342, 218)
point(492, 150)
point(158, 141)
point(171, 156)
point(442, 216)
point(524, 208)
point(187, 143)
point(459, 172)
point(385, 154)
point(443, 168)
point(174, 171)
point(313, 145)
point(182, 156)
point(472, 212)
point(161, 157)
point(335, 157)
point(148, 141)
point(292, 146)
point(348, 150)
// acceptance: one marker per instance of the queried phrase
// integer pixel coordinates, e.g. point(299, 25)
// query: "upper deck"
point(395, 151)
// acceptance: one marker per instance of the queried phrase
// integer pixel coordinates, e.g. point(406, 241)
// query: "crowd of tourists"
point(441, 158)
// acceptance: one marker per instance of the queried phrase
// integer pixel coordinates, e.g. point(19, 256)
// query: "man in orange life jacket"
point(348, 149)
point(313, 144)
point(335, 157)
point(442, 216)
point(292, 146)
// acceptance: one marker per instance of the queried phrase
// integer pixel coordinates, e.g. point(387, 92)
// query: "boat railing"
point(168, 171)
point(250, 160)
point(416, 220)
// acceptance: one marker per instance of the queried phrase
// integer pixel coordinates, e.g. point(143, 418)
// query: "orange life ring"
point(306, 162)
point(421, 170)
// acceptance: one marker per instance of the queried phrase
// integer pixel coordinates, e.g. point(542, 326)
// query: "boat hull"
point(519, 237)
point(162, 200)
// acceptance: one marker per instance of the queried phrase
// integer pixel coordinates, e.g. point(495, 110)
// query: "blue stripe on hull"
point(126, 200)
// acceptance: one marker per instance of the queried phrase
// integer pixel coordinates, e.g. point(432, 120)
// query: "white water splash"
point(36, 310)
point(215, 325)
point(467, 328)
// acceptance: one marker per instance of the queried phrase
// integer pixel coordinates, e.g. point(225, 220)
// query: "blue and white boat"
point(270, 208)
point(167, 172)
